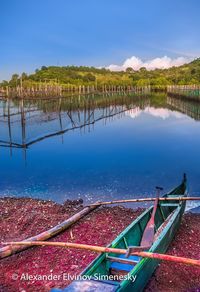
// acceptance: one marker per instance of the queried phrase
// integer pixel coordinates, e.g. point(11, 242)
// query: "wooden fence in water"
point(185, 106)
point(31, 119)
point(187, 91)
point(49, 90)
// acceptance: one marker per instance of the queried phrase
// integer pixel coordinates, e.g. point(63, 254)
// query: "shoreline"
point(24, 217)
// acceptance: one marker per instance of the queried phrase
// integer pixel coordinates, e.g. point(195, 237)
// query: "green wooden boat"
point(114, 272)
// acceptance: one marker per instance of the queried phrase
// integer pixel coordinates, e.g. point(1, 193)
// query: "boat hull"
point(167, 221)
point(147, 266)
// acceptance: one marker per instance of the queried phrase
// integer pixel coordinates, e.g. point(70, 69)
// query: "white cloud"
point(162, 113)
point(160, 63)
point(156, 112)
point(134, 113)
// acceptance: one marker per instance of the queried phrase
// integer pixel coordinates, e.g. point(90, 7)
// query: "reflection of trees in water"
point(188, 107)
point(24, 123)
point(29, 122)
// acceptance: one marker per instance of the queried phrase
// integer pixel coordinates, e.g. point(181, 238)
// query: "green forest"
point(82, 75)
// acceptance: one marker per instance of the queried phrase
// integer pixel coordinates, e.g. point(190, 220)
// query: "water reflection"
point(98, 147)
point(29, 122)
point(190, 108)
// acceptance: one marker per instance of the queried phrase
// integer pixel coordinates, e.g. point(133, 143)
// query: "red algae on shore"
point(24, 217)
point(99, 227)
point(55, 267)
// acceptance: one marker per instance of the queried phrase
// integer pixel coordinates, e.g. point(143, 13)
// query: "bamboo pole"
point(9, 250)
point(138, 200)
point(101, 249)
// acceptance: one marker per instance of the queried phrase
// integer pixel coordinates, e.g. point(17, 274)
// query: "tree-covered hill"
point(185, 74)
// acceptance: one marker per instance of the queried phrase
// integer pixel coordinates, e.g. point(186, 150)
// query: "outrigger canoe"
point(114, 272)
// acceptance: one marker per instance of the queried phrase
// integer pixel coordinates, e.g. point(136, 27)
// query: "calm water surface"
point(98, 147)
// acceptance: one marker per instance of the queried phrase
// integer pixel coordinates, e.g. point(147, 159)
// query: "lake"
point(98, 147)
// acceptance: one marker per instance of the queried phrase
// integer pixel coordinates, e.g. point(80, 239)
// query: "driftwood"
point(101, 249)
point(9, 250)
point(139, 200)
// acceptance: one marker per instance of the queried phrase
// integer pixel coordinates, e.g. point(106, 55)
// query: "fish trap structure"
point(27, 122)
point(187, 91)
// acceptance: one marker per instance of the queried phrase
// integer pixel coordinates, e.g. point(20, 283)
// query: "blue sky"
point(94, 32)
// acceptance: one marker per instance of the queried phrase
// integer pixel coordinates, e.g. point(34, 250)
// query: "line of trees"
point(82, 75)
